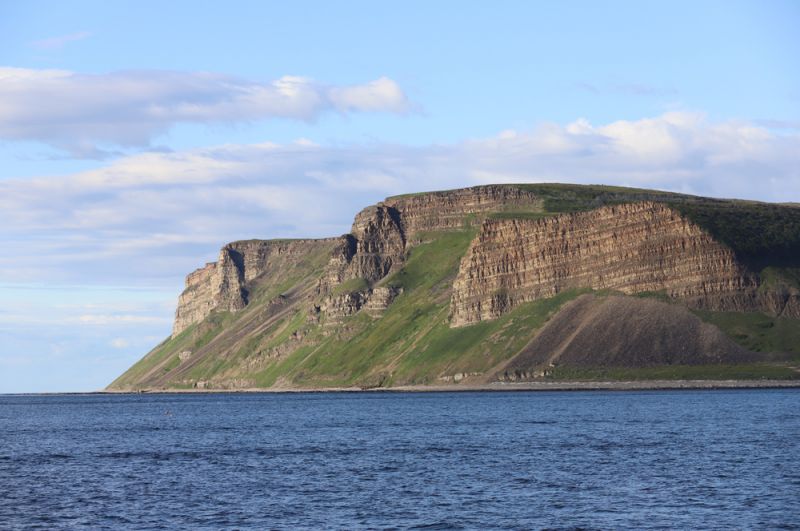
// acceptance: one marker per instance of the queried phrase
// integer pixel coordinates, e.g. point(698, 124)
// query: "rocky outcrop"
point(374, 248)
point(337, 307)
point(380, 299)
point(632, 248)
point(198, 298)
point(380, 243)
point(382, 233)
point(457, 209)
point(777, 301)
point(374, 301)
point(223, 285)
point(216, 285)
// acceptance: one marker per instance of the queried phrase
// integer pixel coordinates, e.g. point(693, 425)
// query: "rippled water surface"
point(682, 459)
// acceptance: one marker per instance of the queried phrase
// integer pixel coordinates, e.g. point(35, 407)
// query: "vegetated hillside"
point(478, 284)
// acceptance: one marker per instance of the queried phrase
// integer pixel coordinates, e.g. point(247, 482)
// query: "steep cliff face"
point(379, 243)
point(198, 299)
point(223, 285)
point(442, 211)
point(382, 233)
point(636, 247)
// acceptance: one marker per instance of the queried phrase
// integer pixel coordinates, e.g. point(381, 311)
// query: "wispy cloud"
point(56, 43)
point(629, 89)
point(779, 124)
point(152, 217)
point(105, 319)
point(119, 342)
point(77, 112)
point(643, 89)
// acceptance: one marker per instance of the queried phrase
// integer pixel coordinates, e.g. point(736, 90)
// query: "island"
point(497, 284)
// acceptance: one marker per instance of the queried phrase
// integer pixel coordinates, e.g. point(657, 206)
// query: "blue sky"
point(136, 138)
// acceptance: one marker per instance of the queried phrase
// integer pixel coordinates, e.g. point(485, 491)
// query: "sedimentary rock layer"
point(223, 284)
point(439, 211)
point(635, 247)
point(382, 233)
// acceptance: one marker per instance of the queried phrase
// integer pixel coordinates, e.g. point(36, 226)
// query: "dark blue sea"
point(517, 460)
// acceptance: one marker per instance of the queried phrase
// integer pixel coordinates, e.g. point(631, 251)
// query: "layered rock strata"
point(375, 247)
point(381, 234)
point(222, 285)
point(374, 301)
point(452, 210)
point(380, 299)
point(632, 248)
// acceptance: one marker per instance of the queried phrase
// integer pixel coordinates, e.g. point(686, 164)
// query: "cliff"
point(485, 283)
point(381, 234)
point(632, 248)
point(455, 209)
point(224, 285)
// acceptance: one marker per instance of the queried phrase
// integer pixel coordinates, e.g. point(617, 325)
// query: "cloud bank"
point(76, 112)
point(153, 217)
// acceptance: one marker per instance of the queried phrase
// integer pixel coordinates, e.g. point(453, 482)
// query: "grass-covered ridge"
point(758, 332)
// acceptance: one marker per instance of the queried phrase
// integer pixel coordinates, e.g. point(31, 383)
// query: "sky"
point(137, 138)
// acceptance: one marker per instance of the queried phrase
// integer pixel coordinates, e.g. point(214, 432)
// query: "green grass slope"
point(411, 343)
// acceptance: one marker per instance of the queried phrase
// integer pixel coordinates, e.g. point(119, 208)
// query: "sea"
point(688, 459)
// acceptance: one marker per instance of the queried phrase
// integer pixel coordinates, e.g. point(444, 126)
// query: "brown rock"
point(382, 233)
point(632, 248)
point(222, 285)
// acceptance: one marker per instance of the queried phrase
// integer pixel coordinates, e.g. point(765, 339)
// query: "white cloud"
point(56, 43)
point(78, 111)
point(379, 95)
point(119, 342)
point(154, 217)
point(104, 320)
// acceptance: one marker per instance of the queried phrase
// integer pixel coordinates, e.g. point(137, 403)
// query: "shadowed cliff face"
point(223, 285)
point(379, 244)
point(632, 248)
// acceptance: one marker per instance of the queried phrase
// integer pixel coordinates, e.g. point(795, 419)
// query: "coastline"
point(634, 385)
point(494, 387)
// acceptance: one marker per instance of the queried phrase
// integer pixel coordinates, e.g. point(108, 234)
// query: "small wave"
point(159, 456)
point(438, 525)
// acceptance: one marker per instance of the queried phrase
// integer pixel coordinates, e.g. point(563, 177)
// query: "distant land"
point(517, 283)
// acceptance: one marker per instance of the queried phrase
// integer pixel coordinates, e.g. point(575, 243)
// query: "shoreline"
point(500, 387)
